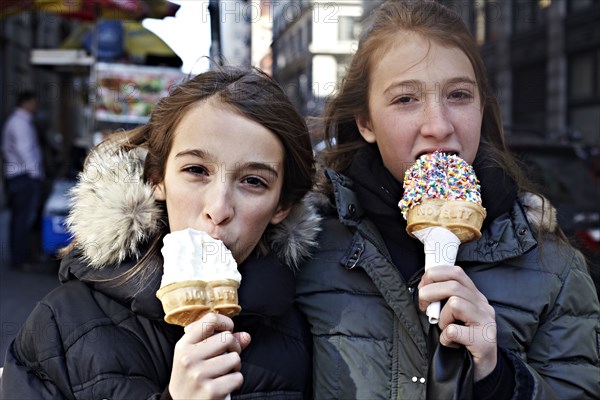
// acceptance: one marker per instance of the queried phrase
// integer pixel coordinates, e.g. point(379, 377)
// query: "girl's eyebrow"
point(253, 165)
point(460, 79)
point(199, 153)
point(417, 85)
point(412, 84)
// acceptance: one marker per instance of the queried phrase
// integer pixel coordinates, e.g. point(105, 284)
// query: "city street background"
point(19, 290)
point(542, 57)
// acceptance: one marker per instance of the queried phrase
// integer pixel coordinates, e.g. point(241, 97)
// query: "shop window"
point(489, 18)
point(586, 121)
point(581, 76)
point(348, 28)
point(580, 5)
point(494, 19)
point(584, 94)
point(528, 14)
point(529, 97)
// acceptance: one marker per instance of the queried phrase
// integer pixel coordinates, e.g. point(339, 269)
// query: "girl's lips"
point(429, 151)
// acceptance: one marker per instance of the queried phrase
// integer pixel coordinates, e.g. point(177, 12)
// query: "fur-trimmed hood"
point(540, 213)
point(113, 212)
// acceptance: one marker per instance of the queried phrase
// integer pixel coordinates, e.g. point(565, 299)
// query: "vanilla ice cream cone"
point(224, 297)
point(199, 276)
point(184, 302)
point(187, 301)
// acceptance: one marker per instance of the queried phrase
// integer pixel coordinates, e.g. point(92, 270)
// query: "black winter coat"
point(370, 338)
point(93, 338)
point(90, 340)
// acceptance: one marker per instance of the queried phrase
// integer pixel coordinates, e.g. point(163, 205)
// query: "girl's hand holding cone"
point(207, 359)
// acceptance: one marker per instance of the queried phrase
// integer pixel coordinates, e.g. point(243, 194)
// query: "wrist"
point(485, 366)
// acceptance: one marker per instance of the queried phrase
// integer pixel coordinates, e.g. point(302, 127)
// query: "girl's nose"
point(218, 203)
point(436, 122)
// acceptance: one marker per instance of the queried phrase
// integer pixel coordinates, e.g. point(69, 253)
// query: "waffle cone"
point(187, 301)
point(463, 218)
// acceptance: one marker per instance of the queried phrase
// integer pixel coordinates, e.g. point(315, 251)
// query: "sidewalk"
point(19, 293)
point(19, 290)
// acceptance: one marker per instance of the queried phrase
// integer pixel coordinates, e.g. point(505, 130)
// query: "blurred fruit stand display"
point(109, 72)
point(125, 94)
point(102, 64)
point(120, 96)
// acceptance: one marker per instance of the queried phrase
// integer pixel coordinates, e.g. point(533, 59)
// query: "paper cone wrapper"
point(441, 247)
point(187, 301)
point(463, 218)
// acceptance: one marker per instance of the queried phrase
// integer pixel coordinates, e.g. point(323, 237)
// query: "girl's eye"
point(196, 170)
point(405, 100)
point(460, 95)
point(255, 181)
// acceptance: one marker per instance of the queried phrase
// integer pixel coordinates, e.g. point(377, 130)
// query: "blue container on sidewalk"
point(54, 232)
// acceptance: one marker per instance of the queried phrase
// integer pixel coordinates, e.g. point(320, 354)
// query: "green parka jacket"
point(370, 337)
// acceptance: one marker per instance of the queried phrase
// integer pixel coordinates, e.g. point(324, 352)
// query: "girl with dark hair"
point(225, 153)
point(520, 302)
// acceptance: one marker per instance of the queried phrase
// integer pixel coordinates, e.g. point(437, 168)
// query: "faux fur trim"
point(540, 213)
point(113, 211)
point(294, 237)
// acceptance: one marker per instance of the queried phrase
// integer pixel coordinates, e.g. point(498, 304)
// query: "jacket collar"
point(113, 213)
point(267, 288)
point(509, 235)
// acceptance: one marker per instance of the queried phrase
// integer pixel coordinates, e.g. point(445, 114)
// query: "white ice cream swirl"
point(194, 255)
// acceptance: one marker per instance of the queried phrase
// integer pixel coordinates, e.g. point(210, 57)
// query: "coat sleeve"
point(33, 367)
point(563, 359)
point(21, 382)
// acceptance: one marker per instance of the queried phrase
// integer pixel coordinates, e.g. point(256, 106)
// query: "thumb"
point(243, 338)
point(450, 336)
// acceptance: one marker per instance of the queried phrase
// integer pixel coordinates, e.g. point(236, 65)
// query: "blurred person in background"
point(23, 172)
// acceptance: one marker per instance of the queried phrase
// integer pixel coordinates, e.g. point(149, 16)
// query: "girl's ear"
point(159, 192)
point(158, 189)
point(364, 127)
point(280, 214)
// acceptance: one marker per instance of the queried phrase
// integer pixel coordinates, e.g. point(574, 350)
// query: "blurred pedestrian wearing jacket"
point(23, 173)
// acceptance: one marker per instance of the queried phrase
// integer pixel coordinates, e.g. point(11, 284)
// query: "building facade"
point(262, 35)
point(231, 31)
point(543, 57)
point(19, 34)
point(16, 73)
point(313, 41)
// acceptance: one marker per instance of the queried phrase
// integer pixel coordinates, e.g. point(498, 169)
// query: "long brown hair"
point(436, 23)
point(445, 27)
point(252, 94)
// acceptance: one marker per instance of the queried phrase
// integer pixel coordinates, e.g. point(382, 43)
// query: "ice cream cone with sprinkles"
point(442, 206)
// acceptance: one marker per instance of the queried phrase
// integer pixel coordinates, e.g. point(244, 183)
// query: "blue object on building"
point(54, 232)
point(110, 40)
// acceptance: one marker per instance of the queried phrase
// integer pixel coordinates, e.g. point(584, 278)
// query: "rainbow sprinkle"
point(442, 176)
